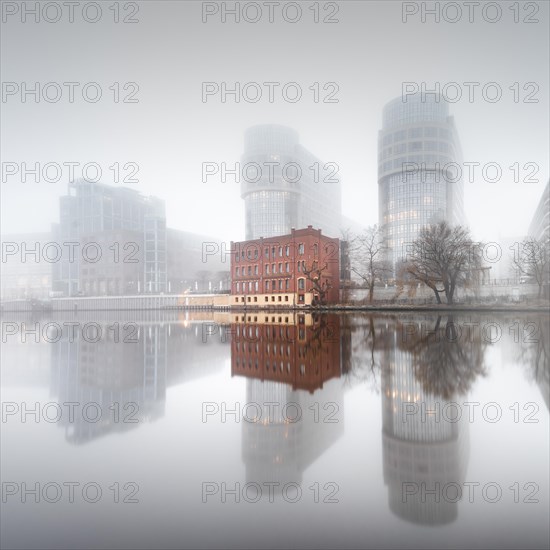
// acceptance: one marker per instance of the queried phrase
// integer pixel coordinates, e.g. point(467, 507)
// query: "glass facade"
point(95, 209)
point(419, 170)
point(288, 193)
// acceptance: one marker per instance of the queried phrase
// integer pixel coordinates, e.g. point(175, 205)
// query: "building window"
point(267, 286)
point(237, 257)
point(280, 251)
point(301, 248)
point(236, 271)
point(287, 267)
point(249, 270)
point(272, 298)
point(299, 266)
point(266, 269)
point(280, 299)
point(255, 270)
point(256, 286)
point(280, 268)
point(266, 251)
point(238, 287)
point(273, 252)
point(315, 249)
point(287, 284)
point(286, 298)
point(266, 299)
point(287, 250)
point(237, 299)
point(255, 298)
point(301, 284)
point(249, 286)
point(300, 298)
point(280, 284)
point(273, 268)
point(249, 298)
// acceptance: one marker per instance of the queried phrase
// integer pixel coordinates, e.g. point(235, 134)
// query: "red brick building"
point(299, 269)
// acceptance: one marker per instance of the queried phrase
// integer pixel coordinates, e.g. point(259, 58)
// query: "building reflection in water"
point(286, 359)
point(534, 353)
point(298, 362)
point(127, 371)
point(425, 368)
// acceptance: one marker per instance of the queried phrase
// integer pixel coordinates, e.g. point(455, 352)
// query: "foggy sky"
point(169, 53)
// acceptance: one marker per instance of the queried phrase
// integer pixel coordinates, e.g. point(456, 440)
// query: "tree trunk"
point(448, 295)
point(371, 293)
point(452, 290)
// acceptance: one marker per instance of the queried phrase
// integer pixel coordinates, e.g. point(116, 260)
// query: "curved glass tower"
point(419, 170)
point(284, 196)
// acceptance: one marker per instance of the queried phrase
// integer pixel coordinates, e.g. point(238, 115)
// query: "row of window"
point(412, 228)
point(408, 188)
point(302, 367)
point(278, 298)
point(253, 253)
point(428, 160)
point(270, 285)
point(254, 319)
point(413, 201)
point(271, 268)
point(413, 146)
point(411, 215)
point(417, 132)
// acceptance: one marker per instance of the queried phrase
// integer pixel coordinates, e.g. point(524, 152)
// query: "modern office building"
point(130, 230)
point(540, 230)
point(540, 225)
point(301, 268)
point(419, 170)
point(123, 247)
point(285, 186)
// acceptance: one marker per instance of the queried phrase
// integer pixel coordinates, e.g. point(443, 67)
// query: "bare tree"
point(317, 276)
point(443, 258)
point(368, 249)
point(345, 269)
point(532, 259)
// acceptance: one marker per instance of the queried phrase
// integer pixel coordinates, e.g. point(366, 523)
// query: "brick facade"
point(299, 269)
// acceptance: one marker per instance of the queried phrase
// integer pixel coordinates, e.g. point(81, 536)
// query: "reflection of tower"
point(285, 427)
point(127, 380)
point(278, 450)
point(426, 451)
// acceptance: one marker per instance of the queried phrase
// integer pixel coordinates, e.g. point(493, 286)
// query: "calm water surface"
point(176, 430)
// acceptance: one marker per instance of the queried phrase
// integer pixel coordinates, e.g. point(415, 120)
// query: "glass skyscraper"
point(95, 212)
point(291, 188)
point(419, 170)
